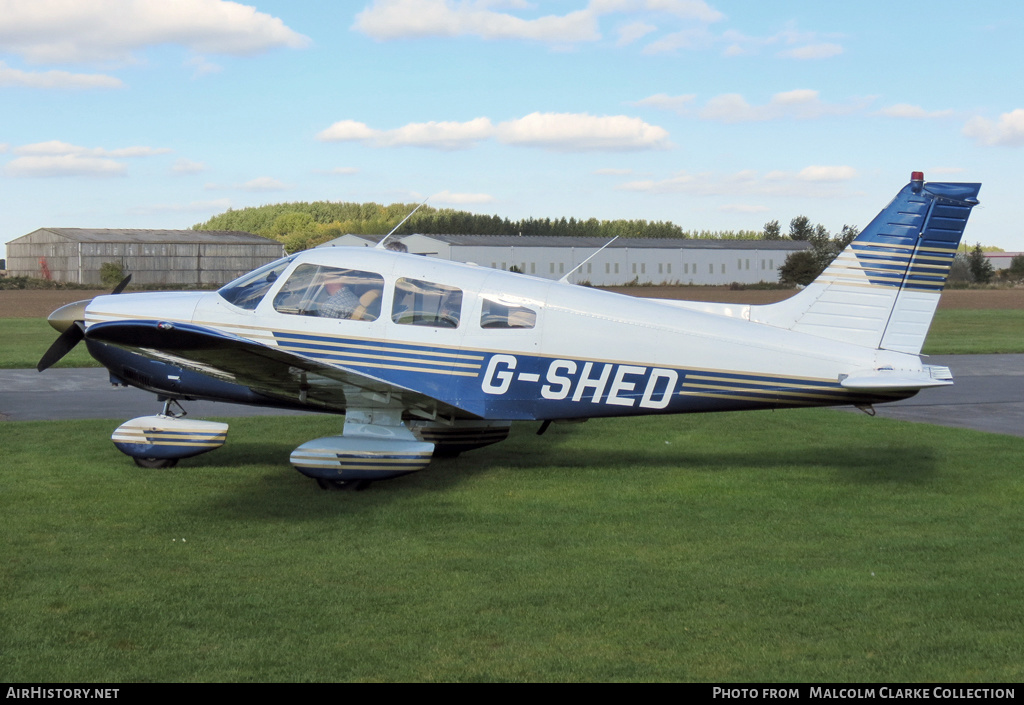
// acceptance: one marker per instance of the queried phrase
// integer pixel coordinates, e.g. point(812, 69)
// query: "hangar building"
point(627, 260)
point(181, 257)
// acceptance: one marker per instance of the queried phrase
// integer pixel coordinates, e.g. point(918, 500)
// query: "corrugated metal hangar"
point(181, 257)
point(627, 260)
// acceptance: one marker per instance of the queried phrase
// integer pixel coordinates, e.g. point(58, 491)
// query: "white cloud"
point(810, 182)
point(446, 136)
point(438, 135)
point(1007, 132)
point(63, 165)
point(347, 131)
point(580, 132)
point(69, 31)
point(461, 199)
point(56, 158)
point(693, 38)
point(629, 33)
point(801, 104)
point(398, 19)
point(813, 51)
point(202, 67)
point(568, 132)
point(10, 77)
point(56, 147)
point(802, 45)
point(493, 20)
point(187, 166)
point(826, 173)
point(263, 183)
point(663, 101)
point(912, 112)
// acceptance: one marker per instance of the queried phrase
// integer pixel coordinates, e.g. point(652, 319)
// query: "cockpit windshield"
point(249, 289)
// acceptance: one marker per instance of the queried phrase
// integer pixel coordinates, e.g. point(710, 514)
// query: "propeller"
point(69, 321)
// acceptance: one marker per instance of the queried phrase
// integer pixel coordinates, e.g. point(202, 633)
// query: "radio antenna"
point(569, 273)
point(380, 245)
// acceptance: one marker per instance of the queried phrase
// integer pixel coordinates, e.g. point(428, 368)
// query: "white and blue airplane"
point(428, 357)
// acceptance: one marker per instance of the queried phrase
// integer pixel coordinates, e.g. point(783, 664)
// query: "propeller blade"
point(121, 287)
point(62, 345)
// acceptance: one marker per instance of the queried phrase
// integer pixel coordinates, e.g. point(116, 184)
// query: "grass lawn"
point(807, 545)
point(26, 339)
point(965, 331)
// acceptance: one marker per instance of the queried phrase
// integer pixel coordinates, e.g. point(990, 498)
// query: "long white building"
point(627, 260)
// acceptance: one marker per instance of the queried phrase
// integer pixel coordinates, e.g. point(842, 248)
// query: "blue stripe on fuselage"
point(504, 385)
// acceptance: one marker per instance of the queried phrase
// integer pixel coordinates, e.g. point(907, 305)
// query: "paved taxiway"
point(988, 396)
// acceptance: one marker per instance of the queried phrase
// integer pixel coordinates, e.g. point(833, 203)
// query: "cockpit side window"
point(497, 314)
point(331, 292)
point(249, 289)
point(423, 303)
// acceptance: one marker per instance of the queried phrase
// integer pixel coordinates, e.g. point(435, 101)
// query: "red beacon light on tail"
point(917, 181)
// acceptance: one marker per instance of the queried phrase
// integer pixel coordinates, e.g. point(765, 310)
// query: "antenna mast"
point(380, 245)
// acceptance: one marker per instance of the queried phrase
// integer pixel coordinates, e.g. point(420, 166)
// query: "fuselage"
point(500, 345)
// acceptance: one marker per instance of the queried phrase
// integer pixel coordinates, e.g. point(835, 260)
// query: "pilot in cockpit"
point(341, 301)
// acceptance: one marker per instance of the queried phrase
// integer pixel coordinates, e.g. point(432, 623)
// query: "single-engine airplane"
point(428, 357)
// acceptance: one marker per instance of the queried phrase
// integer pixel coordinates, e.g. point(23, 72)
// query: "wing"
point(268, 370)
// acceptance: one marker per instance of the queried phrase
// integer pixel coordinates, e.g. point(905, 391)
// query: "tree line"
point(303, 225)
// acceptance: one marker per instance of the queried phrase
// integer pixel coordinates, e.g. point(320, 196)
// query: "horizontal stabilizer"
point(899, 380)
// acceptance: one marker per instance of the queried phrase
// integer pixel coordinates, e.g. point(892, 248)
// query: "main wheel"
point(353, 485)
point(156, 463)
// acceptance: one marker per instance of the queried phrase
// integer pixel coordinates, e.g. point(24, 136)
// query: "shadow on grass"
point(281, 492)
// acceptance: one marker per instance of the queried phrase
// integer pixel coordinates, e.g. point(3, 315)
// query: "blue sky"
point(715, 115)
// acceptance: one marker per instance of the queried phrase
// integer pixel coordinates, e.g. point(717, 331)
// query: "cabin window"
point(331, 292)
point(504, 314)
point(422, 303)
point(248, 290)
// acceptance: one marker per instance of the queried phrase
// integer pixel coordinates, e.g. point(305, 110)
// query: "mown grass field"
point(806, 545)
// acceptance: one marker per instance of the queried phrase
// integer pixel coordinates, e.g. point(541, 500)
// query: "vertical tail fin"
point(882, 290)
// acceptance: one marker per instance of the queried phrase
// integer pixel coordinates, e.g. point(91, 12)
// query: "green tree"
point(981, 269)
point(772, 231)
point(800, 268)
point(1015, 272)
point(111, 273)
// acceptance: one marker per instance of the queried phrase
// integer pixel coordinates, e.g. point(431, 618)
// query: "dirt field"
point(39, 304)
